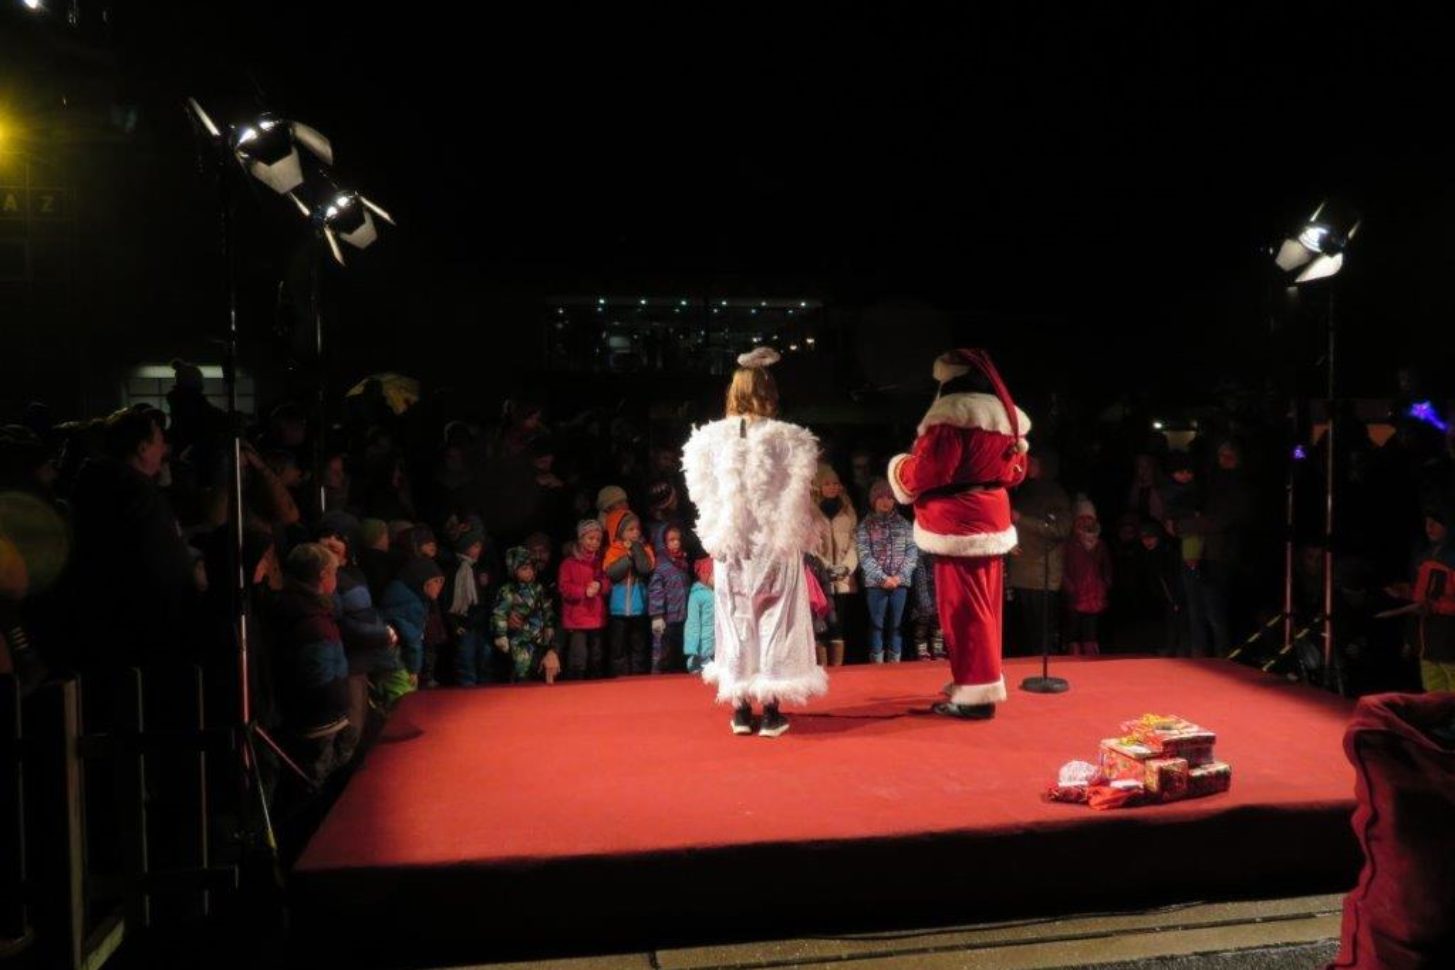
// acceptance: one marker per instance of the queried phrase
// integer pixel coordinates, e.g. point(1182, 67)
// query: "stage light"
point(793, 346)
point(724, 302)
point(601, 301)
point(1317, 251)
point(1300, 453)
point(803, 303)
point(643, 302)
point(1157, 426)
point(31, 4)
point(344, 215)
point(809, 341)
point(684, 302)
point(267, 147)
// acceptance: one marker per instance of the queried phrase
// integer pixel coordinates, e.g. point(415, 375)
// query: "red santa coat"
point(966, 456)
point(965, 440)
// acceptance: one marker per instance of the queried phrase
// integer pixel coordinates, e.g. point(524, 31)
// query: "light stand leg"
point(1329, 678)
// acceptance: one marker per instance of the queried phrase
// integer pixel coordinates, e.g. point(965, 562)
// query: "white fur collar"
point(973, 410)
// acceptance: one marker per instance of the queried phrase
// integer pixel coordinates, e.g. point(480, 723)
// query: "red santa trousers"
point(970, 595)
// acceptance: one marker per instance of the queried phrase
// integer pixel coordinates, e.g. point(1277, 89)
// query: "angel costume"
point(750, 480)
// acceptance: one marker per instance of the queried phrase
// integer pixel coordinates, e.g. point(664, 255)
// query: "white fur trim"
point(764, 689)
point(753, 492)
point(978, 693)
point(900, 495)
point(976, 544)
point(973, 410)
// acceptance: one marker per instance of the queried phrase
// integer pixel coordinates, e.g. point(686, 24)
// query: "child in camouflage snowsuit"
point(522, 620)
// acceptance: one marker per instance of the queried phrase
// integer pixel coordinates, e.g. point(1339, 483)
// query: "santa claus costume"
point(750, 477)
point(971, 447)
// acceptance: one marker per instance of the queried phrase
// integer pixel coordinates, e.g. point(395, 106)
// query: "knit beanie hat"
point(622, 523)
point(880, 489)
point(1083, 509)
point(587, 525)
point(337, 522)
point(417, 572)
point(466, 539)
point(609, 496)
point(826, 475)
point(420, 535)
point(516, 557)
point(371, 531)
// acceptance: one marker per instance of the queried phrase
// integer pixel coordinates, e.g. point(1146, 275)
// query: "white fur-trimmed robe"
point(751, 482)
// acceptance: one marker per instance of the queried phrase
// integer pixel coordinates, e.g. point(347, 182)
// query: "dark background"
point(1091, 195)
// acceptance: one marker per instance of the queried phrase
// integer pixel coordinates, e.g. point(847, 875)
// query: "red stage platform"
point(501, 821)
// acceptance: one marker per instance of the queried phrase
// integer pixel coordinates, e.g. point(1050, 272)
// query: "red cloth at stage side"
point(1401, 914)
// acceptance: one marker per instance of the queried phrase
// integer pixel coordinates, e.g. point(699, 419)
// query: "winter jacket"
point(365, 633)
point(578, 611)
point(1044, 524)
point(529, 605)
point(667, 591)
point(1086, 580)
point(408, 612)
point(970, 449)
point(698, 636)
point(628, 566)
point(886, 548)
point(310, 663)
point(924, 587)
point(835, 544)
point(1223, 520)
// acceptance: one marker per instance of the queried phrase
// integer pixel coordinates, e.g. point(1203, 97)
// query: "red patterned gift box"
point(1166, 778)
point(1122, 760)
point(1170, 736)
point(1209, 779)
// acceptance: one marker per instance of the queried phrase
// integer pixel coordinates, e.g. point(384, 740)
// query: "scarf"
point(466, 592)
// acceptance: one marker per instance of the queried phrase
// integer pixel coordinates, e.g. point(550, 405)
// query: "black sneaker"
point(966, 712)
point(773, 724)
point(742, 722)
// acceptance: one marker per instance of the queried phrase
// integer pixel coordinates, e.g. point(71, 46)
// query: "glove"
point(502, 644)
point(658, 625)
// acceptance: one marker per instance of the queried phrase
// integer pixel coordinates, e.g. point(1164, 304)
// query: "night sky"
point(1094, 190)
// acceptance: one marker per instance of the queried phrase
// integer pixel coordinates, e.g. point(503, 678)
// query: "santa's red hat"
point(961, 361)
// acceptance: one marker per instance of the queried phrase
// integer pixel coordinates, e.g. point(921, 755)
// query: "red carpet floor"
point(506, 820)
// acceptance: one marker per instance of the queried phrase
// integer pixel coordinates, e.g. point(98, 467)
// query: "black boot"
point(742, 722)
point(773, 724)
point(966, 712)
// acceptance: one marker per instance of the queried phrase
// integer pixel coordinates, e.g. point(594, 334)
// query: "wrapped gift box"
point(1209, 779)
point(1170, 736)
point(1166, 778)
point(1124, 760)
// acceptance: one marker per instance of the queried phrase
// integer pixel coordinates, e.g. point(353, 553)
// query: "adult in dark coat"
point(132, 581)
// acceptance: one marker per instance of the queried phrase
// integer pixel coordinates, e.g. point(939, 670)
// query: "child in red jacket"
point(584, 587)
point(1086, 580)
